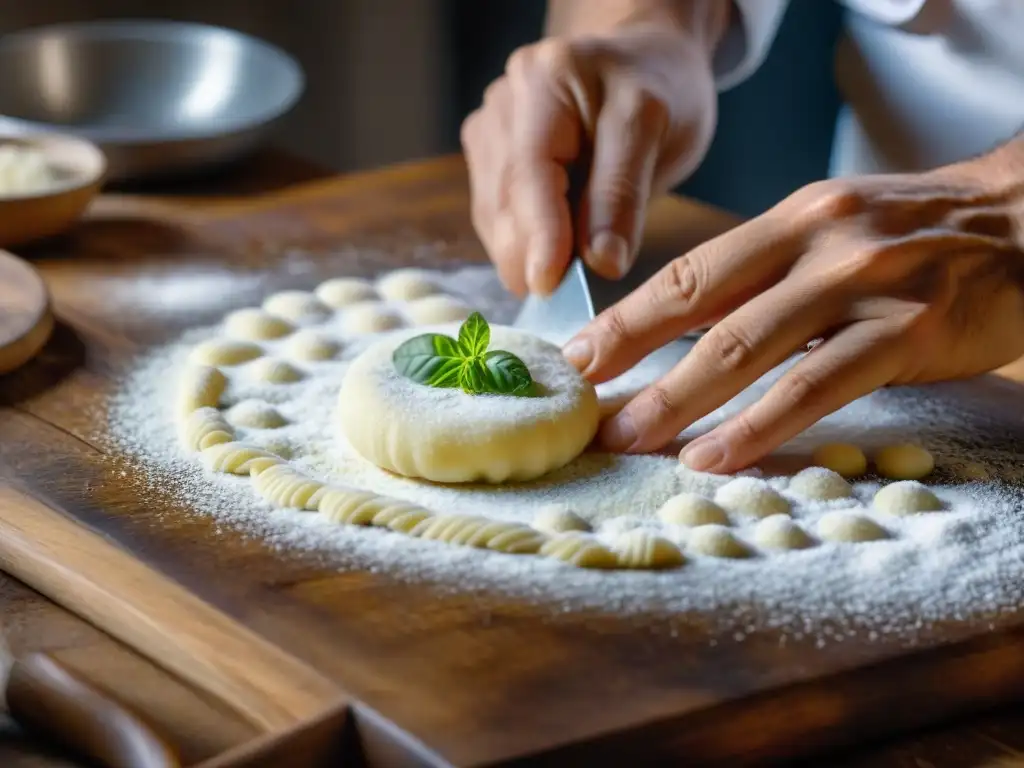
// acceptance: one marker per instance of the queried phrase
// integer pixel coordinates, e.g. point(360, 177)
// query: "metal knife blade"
point(565, 311)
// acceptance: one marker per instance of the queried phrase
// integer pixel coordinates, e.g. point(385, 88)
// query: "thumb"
point(627, 143)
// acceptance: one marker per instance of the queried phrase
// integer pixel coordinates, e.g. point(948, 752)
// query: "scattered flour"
point(965, 561)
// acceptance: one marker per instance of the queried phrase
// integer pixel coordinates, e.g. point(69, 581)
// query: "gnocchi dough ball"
point(342, 291)
point(781, 532)
point(906, 497)
point(256, 325)
point(753, 497)
point(308, 345)
point(435, 310)
point(841, 526)
point(904, 461)
point(255, 414)
point(406, 285)
point(449, 436)
point(820, 484)
point(692, 509)
point(842, 458)
point(716, 541)
point(224, 352)
point(644, 550)
point(297, 306)
point(371, 317)
point(559, 518)
point(276, 371)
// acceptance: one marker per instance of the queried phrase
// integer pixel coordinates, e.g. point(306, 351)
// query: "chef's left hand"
point(906, 278)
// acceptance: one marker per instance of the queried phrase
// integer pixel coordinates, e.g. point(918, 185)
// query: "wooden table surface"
point(204, 728)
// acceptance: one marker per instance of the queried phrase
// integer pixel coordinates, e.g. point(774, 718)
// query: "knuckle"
point(680, 281)
point(660, 402)
point(802, 390)
point(617, 192)
point(644, 112)
point(728, 347)
point(615, 326)
point(831, 199)
point(549, 57)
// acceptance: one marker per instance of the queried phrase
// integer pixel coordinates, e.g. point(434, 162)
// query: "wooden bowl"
point(80, 168)
point(26, 321)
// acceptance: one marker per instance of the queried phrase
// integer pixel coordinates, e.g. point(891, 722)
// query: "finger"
point(546, 136)
point(707, 283)
point(858, 360)
point(731, 356)
point(629, 132)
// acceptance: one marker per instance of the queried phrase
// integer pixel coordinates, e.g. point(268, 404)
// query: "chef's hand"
point(639, 97)
point(906, 278)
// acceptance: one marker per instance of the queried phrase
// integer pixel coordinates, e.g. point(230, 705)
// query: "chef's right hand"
point(640, 100)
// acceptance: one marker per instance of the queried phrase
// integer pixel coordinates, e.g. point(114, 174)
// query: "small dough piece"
point(820, 484)
point(642, 549)
point(481, 532)
point(238, 459)
point(753, 497)
point(285, 488)
point(342, 291)
point(351, 507)
point(716, 541)
point(904, 461)
point(558, 518)
point(371, 317)
point(906, 497)
point(691, 509)
point(200, 387)
point(225, 352)
point(448, 436)
point(848, 460)
point(310, 346)
point(781, 532)
point(436, 310)
point(297, 306)
point(254, 324)
point(579, 550)
point(276, 371)
point(842, 526)
point(205, 427)
point(255, 414)
point(407, 284)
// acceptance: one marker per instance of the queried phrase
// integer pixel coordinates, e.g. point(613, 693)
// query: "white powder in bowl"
point(23, 171)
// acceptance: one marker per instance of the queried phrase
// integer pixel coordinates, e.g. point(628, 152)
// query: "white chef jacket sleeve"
point(747, 41)
point(923, 17)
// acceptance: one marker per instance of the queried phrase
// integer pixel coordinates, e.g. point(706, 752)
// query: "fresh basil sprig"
point(441, 361)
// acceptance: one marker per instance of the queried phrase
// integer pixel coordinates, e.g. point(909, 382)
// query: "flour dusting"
point(966, 561)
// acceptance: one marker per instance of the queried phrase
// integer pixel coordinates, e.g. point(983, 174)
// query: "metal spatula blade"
point(565, 311)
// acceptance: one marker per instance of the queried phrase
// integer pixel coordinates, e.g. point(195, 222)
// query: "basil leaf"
point(473, 377)
point(507, 374)
point(431, 359)
point(474, 336)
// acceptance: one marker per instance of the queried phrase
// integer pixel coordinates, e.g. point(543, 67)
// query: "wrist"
point(703, 22)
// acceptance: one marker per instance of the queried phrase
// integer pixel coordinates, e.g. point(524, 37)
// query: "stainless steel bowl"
point(158, 97)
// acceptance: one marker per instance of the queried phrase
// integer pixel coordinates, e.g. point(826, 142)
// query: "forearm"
point(705, 20)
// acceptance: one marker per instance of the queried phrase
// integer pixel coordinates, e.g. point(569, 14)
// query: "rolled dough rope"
point(286, 488)
point(203, 428)
point(580, 551)
point(200, 387)
point(644, 550)
point(481, 532)
point(237, 458)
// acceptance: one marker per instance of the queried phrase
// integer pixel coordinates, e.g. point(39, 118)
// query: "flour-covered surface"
point(963, 563)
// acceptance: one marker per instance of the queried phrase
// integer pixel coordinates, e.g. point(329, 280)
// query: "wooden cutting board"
point(25, 318)
point(289, 642)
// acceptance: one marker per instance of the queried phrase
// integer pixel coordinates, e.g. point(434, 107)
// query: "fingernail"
point(579, 352)
point(618, 433)
point(535, 281)
point(702, 455)
point(609, 253)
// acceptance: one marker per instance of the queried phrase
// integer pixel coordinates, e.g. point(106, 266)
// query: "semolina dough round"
point(907, 497)
point(904, 461)
point(371, 317)
point(753, 497)
point(692, 509)
point(225, 352)
point(843, 526)
point(252, 324)
point(255, 414)
point(407, 284)
point(297, 306)
point(276, 371)
point(436, 310)
point(342, 291)
point(310, 346)
point(716, 541)
point(843, 458)
point(448, 436)
point(820, 484)
point(558, 518)
point(781, 532)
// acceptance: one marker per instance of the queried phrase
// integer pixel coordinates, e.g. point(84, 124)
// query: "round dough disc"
point(25, 318)
point(448, 436)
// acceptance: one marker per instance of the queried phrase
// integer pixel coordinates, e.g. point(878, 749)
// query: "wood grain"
point(25, 318)
point(433, 677)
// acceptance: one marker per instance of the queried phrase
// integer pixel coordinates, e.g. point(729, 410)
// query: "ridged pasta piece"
point(200, 387)
point(225, 352)
point(287, 488)
point(345, 505)
point(239, 459)
point(643, 550)
point(580, 551)
point(205, 427)
point(481, 532)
